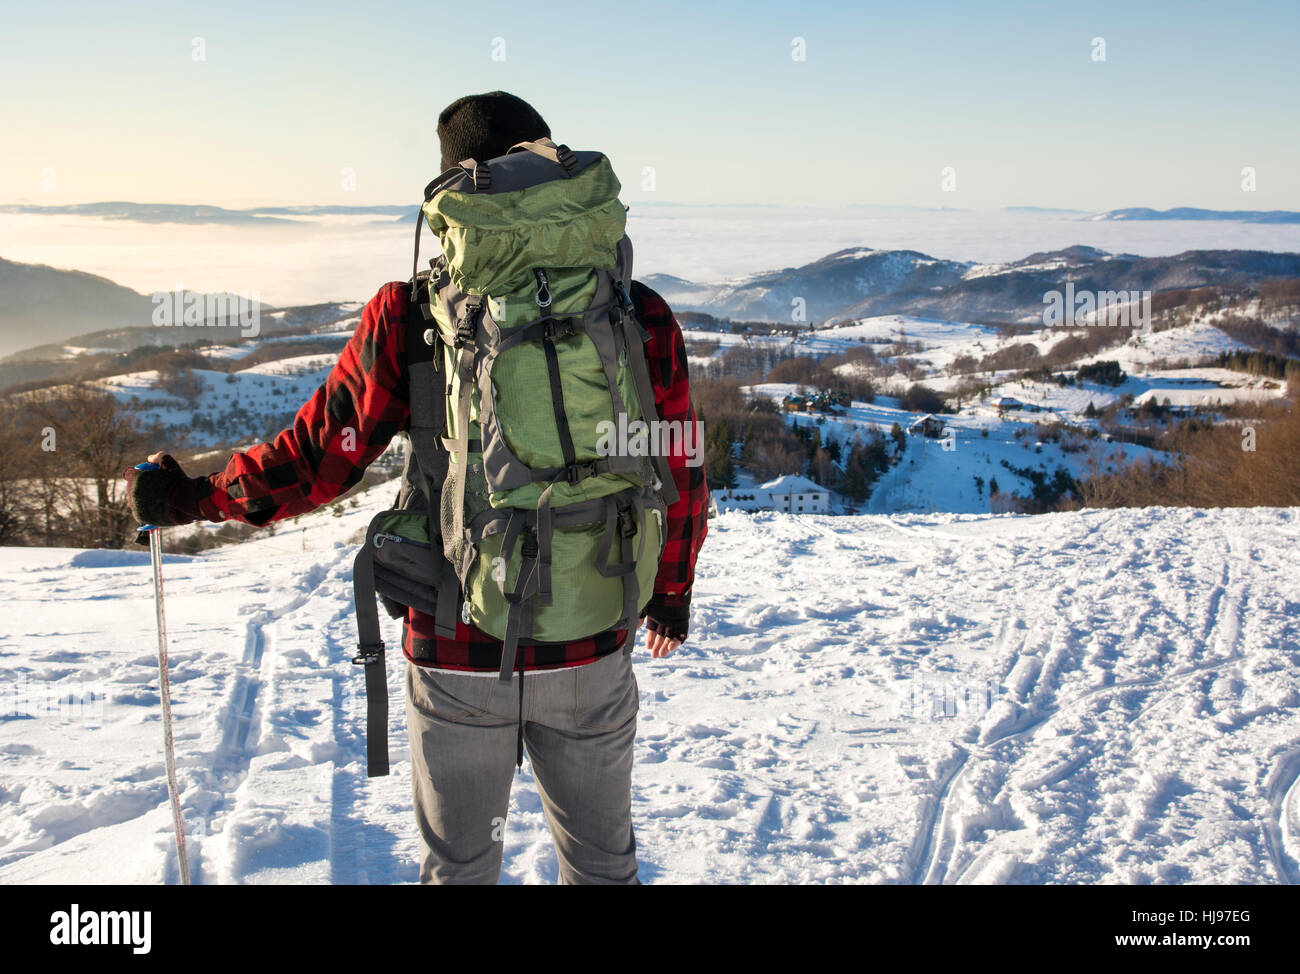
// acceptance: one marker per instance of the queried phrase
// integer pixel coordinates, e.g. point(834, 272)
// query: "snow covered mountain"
point(1092, 697)
point(860, 283)
point(826, 286)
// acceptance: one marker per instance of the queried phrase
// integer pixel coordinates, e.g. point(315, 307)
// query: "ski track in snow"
point(1282, 829)
point(1100, 696)
point(253, 694)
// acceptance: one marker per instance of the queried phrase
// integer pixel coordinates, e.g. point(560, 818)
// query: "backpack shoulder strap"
point(428, 422)
point(636, 337)
point(427, 405)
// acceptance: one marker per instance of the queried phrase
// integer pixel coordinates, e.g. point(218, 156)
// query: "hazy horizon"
point(341, 258)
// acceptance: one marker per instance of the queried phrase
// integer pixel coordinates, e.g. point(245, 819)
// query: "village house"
point(928, 425)
point(789, 493)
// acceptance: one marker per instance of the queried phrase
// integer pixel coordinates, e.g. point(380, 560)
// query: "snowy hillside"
point(988, 437)
point(860, 282)
point(1104, 696)
point(226, 406)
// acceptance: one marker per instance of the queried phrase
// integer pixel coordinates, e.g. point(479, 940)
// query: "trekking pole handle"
point(142, 532)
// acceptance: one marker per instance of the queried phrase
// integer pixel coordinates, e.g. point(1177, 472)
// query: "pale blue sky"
point(109, 97)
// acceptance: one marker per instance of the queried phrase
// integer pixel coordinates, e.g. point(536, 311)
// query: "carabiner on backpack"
point(543, 290)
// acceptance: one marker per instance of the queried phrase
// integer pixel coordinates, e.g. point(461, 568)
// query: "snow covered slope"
point(1100, 696)
point(955, 476)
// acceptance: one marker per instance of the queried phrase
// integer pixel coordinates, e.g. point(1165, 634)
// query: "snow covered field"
point(1099, 696)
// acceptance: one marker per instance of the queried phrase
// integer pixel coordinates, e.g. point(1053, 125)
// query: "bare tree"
point(88, 439)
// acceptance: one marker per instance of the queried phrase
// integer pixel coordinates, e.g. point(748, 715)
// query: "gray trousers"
point(579, 730)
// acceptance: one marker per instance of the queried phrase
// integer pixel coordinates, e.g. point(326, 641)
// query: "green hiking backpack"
point(521, 512)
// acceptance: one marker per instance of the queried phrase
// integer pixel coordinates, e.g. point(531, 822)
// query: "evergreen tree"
point(900, 438)
point(718, 460)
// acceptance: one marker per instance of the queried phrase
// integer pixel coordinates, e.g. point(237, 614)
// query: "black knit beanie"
point(485, 126)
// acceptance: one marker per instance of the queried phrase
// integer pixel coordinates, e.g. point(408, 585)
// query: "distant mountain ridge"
point(42, 308)
point(826, 286)
point(852, 284)
point(200, 214)
point(1194, 213)
point(187, 213)
point(41, 304)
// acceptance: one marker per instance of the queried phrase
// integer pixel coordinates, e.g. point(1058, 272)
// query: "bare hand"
point(659, 644)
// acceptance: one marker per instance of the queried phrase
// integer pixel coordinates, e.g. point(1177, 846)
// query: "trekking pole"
point(164, 685)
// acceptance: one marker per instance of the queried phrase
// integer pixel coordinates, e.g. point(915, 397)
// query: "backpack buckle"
point(575, 472)
point(556, 328)
point(624, 302)
point(368, 653)
point(467, 326)
point(568, 159)
point(626, 523)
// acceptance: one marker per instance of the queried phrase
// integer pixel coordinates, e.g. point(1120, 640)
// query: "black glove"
point(164, 496)
point(672, 621)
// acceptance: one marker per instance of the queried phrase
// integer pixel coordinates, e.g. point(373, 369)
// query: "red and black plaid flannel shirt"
point(363, 404)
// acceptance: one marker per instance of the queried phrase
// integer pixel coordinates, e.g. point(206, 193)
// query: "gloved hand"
point(164, 496)
point(667, 625)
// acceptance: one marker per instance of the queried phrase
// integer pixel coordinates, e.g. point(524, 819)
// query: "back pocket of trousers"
point(605, 693)
point(450, 696)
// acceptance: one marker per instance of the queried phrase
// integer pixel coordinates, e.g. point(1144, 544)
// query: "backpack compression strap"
point(561, 155)
point(466, 346)
point(370, 654)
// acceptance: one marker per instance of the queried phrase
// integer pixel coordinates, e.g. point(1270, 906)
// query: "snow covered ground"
point(1099, 696)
